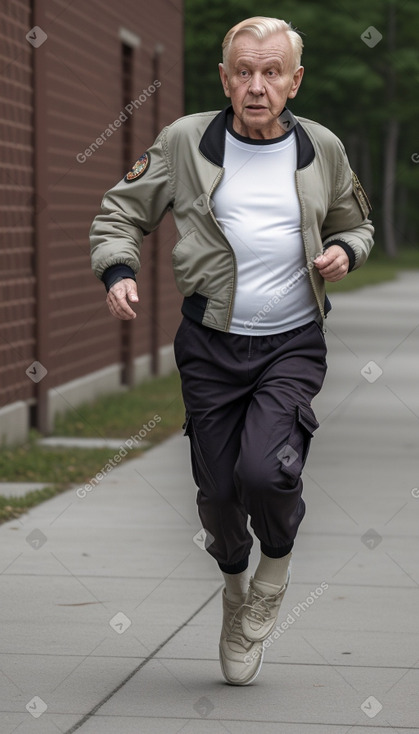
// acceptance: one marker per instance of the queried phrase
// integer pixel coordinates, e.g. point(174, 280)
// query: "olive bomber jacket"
point(180, 173)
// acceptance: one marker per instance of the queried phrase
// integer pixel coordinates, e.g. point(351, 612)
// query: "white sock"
point(272, 571)
point(236, 586)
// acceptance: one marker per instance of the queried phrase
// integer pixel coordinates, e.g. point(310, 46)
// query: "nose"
point(257, 85)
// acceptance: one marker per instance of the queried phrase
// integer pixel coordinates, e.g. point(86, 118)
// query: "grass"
point(113, 416)
point(377, 269)
point(126, 413)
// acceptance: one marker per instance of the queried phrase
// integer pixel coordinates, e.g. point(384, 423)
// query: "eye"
point(244, 74)
point(271, 73)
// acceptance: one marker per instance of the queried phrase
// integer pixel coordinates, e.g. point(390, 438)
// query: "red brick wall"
point(17, 294)
point(82, 95)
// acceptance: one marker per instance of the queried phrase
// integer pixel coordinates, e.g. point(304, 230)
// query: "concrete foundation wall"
point(15, 418)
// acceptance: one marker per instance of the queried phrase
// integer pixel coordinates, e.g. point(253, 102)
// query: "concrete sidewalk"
point(110, 612)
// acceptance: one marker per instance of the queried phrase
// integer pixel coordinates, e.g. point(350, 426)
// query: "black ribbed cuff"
point(236, 567)
point(116, 272)
point(276, 552)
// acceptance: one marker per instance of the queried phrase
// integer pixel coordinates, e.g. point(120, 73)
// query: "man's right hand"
point(119, 295)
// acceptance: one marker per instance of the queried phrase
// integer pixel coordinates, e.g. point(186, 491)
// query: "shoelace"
point(260, 608)
point(236, 633)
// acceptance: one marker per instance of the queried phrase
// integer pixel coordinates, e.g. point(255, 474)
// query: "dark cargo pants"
point(250, 422)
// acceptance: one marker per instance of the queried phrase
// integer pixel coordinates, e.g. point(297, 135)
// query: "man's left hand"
point(333, 264)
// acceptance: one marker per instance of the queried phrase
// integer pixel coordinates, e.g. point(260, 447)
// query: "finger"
point(111, 307)
point(132, 293)
point(119, 295)
point(337, 264)
point(336, 275)
point(322, 260)
point(120, 314)
point(123, 309)
point(119, 307)
point(124, 289)
point(330, 270)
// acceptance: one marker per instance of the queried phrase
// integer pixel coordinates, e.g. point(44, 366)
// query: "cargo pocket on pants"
point(294, 453)
point(200, 472)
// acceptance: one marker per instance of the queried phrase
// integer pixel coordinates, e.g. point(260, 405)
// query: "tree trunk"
point(391, 141)
point(401, 214)
point(352, 148)
point(365, 171)
point(389, 186)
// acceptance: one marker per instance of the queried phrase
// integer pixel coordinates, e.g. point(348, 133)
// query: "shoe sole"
point(242, 683)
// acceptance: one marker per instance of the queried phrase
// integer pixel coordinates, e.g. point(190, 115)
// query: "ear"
point(224, 79)
point(296, 81)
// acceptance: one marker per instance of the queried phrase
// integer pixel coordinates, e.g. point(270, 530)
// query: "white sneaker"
point(260, 609)
point(240, 659)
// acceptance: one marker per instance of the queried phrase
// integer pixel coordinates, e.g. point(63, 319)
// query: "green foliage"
point(123, 414)
point(347, 86)
point(60, 466)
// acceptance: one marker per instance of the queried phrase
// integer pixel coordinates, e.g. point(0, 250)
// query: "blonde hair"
point(261, 28)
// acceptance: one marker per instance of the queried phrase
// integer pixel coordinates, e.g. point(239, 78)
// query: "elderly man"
point(267, 210)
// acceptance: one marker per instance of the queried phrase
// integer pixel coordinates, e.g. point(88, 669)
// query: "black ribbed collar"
point(212, 144)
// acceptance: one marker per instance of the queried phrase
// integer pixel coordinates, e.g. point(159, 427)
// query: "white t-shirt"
point(257, 207)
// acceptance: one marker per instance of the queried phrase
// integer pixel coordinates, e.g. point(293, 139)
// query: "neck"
point(273, 131)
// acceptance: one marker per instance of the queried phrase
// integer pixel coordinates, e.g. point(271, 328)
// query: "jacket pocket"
point(293, 454)
point(185, 260)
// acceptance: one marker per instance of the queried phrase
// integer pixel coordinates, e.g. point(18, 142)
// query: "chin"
point(257, 119)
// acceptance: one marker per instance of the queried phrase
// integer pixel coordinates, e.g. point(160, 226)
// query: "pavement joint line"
point(11, 564)
point(326, 664)
point(136, 670)
point(151, 578)
point(329, 664)
point(162, 661)
point(263, 721)
point(84, 657)
point(408, 670)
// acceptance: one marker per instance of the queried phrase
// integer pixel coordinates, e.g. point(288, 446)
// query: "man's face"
point(259, 77)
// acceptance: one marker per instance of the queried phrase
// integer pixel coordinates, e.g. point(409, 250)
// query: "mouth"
point(255, 107)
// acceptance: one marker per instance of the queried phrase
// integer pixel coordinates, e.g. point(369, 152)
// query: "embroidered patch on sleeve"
point(139, 168)
point(360, 196)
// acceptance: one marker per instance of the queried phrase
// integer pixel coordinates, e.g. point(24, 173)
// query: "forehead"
point(275, 47)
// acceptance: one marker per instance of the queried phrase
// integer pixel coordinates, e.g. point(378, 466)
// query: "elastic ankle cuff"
point(276, 552)
point(236, 568)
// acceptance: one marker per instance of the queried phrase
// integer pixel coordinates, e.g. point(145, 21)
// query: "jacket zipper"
point(209, 195)
point(303, 233)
